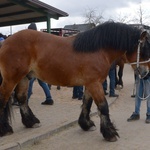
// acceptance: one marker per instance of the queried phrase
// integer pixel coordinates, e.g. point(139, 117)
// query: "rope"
point(141, 62)
point(137, 63)
point(144, 98)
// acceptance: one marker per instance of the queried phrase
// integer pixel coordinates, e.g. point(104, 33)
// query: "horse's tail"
point(8, 108)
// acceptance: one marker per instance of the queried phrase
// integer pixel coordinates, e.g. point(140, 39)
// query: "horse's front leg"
point(84, 119)
point(106, 126)
point(120, 74)
point(28, 118)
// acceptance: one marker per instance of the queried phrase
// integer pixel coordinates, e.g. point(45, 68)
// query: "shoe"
point(80, 98)
point(134, 117)
point(105, 93)
point(147, 119)
point(113, 95)
point(51, 102)
point(58, 87)
point(74, 97)
point(133, 96)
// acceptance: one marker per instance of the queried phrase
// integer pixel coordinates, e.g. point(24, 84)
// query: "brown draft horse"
point(83, 59)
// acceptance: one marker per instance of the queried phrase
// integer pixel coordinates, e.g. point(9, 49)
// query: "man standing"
point(142, 92)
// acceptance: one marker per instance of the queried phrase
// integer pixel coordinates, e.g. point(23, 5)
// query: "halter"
point(137, 63)
point(144, 98)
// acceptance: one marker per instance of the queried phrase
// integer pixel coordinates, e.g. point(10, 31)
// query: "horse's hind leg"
point(107, 128)
point(120, 74)
point(28, 118)
point(84, 119)
point(5, 109)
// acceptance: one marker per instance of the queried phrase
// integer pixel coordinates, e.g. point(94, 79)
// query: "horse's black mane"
point(109, 35)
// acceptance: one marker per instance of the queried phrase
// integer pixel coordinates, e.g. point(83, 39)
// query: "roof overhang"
point(14, 12)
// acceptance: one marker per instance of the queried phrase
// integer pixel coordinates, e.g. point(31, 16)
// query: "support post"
point(48, 25)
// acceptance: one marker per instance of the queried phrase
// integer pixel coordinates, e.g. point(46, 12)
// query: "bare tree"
point(123, 18)
point(141, 17)
point(91, 16)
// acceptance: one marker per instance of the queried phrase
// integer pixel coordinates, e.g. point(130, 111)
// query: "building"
point(61, 31)
point(80, 27)
point(15, 12)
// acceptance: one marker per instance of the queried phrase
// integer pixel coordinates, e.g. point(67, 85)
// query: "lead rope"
point(144, 98)
point(138, 54)
point(141, 77)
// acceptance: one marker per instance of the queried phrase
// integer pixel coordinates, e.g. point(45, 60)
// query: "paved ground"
point(65, 112)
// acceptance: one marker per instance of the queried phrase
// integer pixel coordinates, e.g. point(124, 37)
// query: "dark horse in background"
point(84, 59)
point(120, 62)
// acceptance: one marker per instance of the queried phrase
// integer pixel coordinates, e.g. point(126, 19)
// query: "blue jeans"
point(142, 90)
point(78, 91)
point(43, 85)
point(112, 78)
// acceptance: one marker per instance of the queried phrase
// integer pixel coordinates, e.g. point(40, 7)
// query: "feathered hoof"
point(113, 139)
point(6, 130)
point(119, 87)
point(36, 125)
point(93, 128)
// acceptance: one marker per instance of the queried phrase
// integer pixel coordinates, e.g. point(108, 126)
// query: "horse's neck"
point(114, 55)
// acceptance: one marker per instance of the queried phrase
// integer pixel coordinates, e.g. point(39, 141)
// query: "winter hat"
point(32, 26)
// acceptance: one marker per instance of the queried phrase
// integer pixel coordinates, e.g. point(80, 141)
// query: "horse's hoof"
point(93, 128)
point(119, 87)
point(9, 133)
point(113, 139)
point(36, 125)
point(6, 133)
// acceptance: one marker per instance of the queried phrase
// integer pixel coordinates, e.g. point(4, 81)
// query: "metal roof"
point(14, 12)
point(80, 27)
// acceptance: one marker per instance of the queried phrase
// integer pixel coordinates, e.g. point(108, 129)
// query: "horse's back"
point(50, 58)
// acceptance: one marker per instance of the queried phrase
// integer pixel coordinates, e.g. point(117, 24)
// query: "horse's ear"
point(143, 35)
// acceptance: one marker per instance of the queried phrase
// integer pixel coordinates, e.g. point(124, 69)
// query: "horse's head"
point(144, 46)
point(141, 57)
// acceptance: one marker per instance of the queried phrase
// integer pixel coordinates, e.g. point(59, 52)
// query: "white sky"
point(110, 9)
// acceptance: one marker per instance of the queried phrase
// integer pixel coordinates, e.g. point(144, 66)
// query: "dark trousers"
point(112, 82)
point(78, 91)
